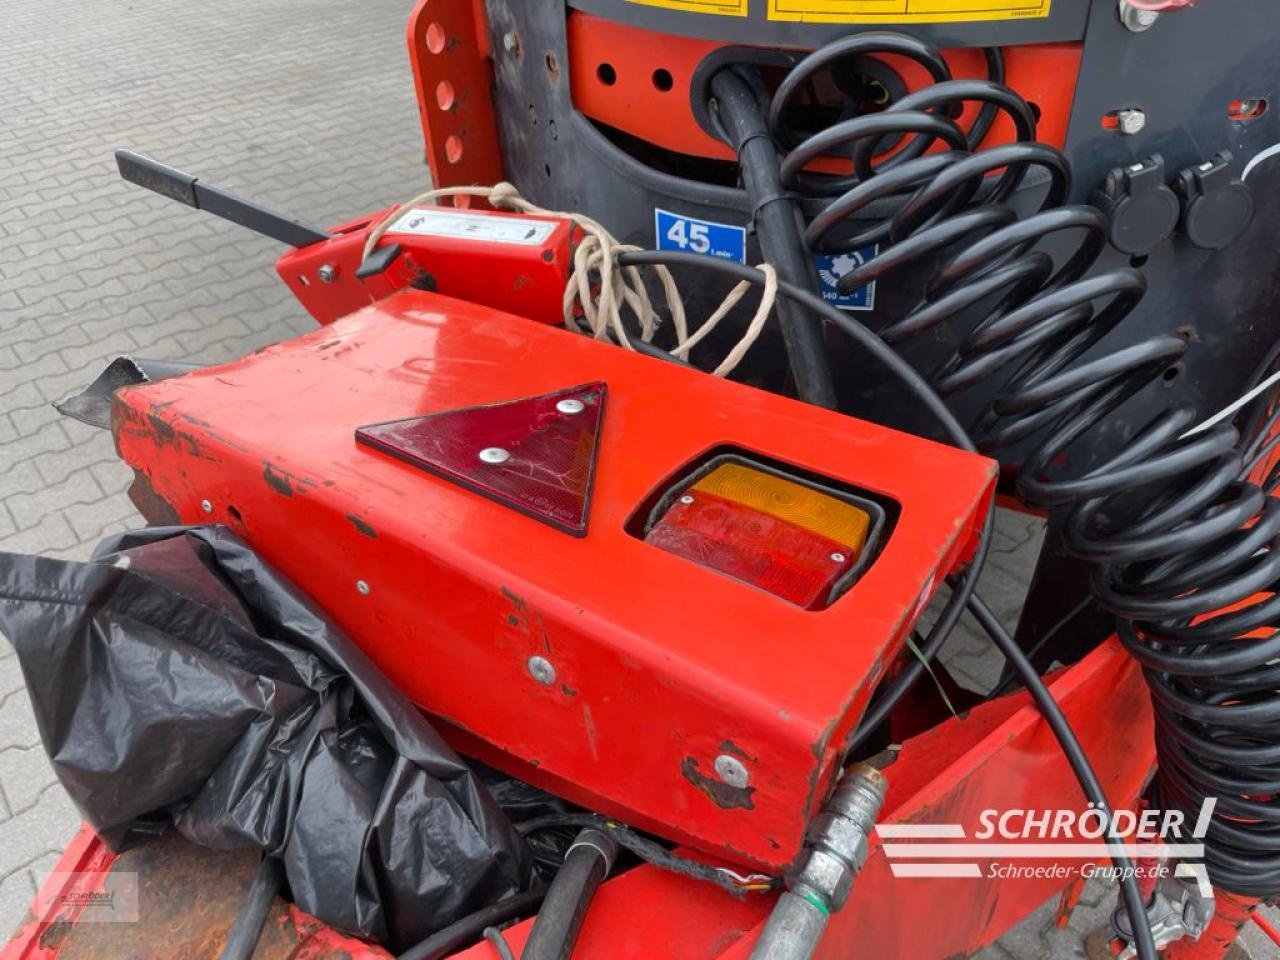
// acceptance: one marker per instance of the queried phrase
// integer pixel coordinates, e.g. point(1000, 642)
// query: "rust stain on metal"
point(277, 481)
point(729, 746)
point(589, 724)
point(721, 794)
point(363, 526)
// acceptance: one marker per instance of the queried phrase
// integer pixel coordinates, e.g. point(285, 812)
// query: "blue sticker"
point(691, 235)
point(831, 267)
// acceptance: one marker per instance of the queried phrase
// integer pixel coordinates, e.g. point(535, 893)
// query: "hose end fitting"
point(836, 848)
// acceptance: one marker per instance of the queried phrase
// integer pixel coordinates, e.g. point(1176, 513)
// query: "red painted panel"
point(660, 664)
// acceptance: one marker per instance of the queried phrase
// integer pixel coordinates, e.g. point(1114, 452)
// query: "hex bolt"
point(494, 455)
point(206, 506)
point(731, 770)
point(1131, 121)
point(571, 405)
point(327, 273)
point(540, 669)
point(362, 587)
point(1136, 20)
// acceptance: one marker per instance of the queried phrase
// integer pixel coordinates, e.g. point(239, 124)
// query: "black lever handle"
point(194, 192)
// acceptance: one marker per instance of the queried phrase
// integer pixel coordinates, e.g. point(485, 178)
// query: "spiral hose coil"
point(1175, 530)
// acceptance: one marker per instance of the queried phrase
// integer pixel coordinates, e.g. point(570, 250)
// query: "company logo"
point(1056, 844)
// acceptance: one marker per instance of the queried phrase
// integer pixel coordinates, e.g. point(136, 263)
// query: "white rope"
point(596, 308)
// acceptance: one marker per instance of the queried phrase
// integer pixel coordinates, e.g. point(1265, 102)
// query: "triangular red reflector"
point(536, 454)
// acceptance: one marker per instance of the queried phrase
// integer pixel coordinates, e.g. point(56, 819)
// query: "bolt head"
point(362, 587)
point(571, 405)
point(540, 669)
point(1131, 121)
point(1136, 20)
point(206, 506)
point(327, 273)
point(686, 499)
point(838, 558)
point(494, 455)
point(732, 771)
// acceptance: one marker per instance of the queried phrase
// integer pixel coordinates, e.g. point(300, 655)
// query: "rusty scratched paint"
point(363, 526)
point(723, 795)
point(277, 481)
point(188, 899)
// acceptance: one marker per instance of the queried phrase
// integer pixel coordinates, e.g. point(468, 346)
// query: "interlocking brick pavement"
point(306, 105)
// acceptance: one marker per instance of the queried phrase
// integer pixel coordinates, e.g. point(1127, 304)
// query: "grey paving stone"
point(91, 267)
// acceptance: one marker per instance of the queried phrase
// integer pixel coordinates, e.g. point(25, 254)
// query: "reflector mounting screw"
point(327, 273)
point(732, 771)
point(362, 587)
point(206, 506)
point(540, 669)
point(838, 558)
point(686, 499)
point(494, 455)
point(571, 405)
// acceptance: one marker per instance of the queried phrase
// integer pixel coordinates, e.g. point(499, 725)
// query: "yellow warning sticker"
point(723, 8)
point(904, 11)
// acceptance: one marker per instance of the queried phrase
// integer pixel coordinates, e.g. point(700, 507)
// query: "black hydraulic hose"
point(242, 941)
point(1144, 942)
point(555, 930)
point(779, 229)
point(462, 932)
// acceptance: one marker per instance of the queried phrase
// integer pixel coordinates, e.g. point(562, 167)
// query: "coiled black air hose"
point(1185, 544)
point(1041, 317)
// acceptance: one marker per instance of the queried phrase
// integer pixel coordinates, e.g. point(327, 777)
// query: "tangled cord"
point(600, 292)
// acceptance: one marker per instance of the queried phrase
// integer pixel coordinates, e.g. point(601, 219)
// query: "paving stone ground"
point(306, 105)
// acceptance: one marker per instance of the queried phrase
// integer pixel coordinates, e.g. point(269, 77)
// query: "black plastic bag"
point(177, 678)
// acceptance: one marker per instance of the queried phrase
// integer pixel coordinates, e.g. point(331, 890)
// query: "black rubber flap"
point(176, 678)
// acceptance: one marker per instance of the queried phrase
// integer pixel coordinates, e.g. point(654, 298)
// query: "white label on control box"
point(438, 222)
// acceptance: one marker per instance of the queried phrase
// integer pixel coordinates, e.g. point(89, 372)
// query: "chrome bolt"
point(327, 273)
point(1136, 20)
point(686, 499)
point(540, 669)
point(206, 506)
point(494, 455)
point(362, 587)
point(570, 405)
point(511, 42)
point(731, 771)
point(1131, 121)
point(837, 558)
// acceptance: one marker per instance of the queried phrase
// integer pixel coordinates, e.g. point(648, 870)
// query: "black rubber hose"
point(462, 932)
point(555, 930)
point(242, 941)
point(779, 228)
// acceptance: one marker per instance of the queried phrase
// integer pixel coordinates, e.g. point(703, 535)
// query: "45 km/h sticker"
point(691, 235)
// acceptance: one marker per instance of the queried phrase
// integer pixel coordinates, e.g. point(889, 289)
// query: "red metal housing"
point(660, 664)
